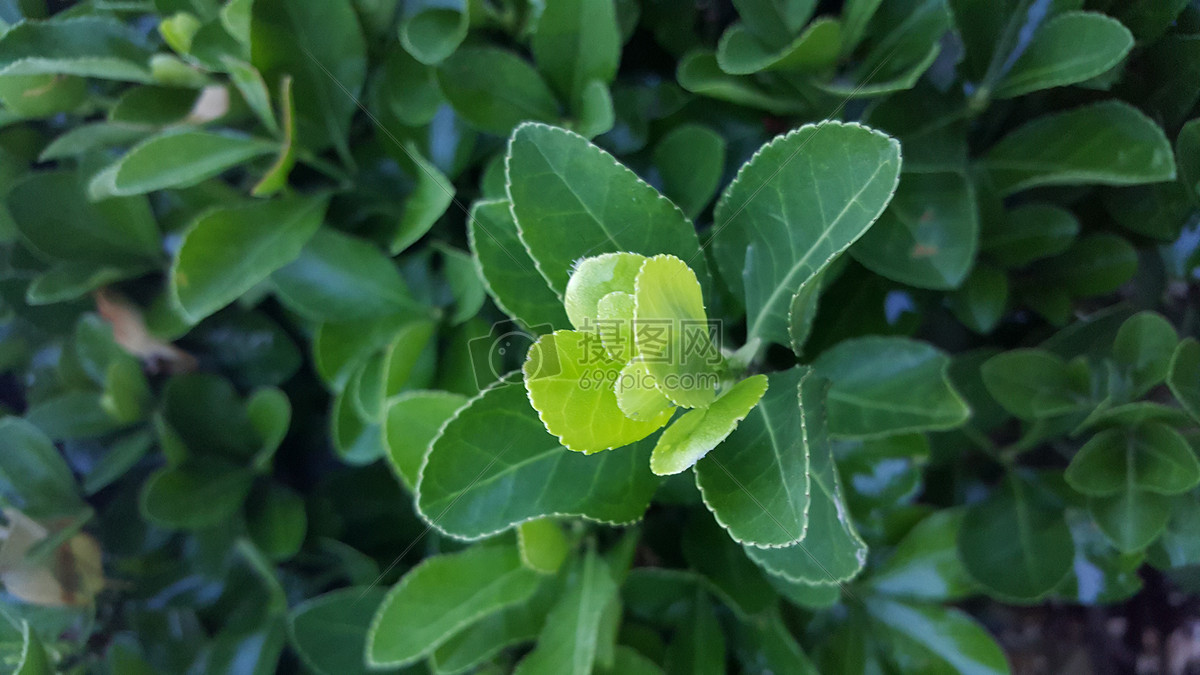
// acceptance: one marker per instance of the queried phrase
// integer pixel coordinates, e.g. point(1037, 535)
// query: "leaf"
point(698, 645)
point(179, 158)
point(577, 42)
point(831, 550)
point(1132, 519)
point(328, 631)
point(740, 53)
point(629, 661)
point(412, 422)
point(982, 300)
point(1151, 457)
point(170, 497)
point(33, 474)
point(698, 431)
point(569, 378)
point(508, 271)
point(948, 639)
point(766, 646)
point(543, 545)
point(888, 385)
point(1030, 232)
point(1097, 264)
point(119, 232)
point(1183, 376)
point(613, 487)
point(757, 484)
point(798, 203)
point(690, 160)
point(1143, 348)
point(229, 250)
point(925, 564)
point(928, 235)
point(338, 277)
point(483, 639)
point(433, 33)
point(1107, 143)
point(1066, 49)
point(593, 279)
point(774, 23)
point(442, 595)
point(494, 89)
point(1037, 553)
point(637, 395)
point(1187, 154)
point(466, 285)
point(699, 73)
point(1032, 384)
point(432, 194)
point(568, 644)
point(571, 200)
point(667, 296)
point(727, 571)
point(276, 177)
point(276, 521)
point(89, 46)
point(320, 45)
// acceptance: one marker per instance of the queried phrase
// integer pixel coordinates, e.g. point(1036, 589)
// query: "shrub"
point(590, 335)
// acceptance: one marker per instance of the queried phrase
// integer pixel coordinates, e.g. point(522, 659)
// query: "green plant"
point(591, 336)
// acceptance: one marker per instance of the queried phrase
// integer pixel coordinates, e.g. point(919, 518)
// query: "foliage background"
point(241, 293)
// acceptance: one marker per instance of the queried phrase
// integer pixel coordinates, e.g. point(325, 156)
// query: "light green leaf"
point(495, 90)
point(1132, 519)
point(441, 596)
point(276, 177)
point(1068, 48)
point(698, 645)
point(328, 631)
point(690, 160)
point(32, 659)
point(89, 46)
point(501, 434)
point(179, 158)
point(1107, 143)
point(683, 362)
point(757, 483)
point(570, 377)
point(615, 321)
point(338, 277)
point(33, 475)
point(1037, 551)
point(412, 423)
point(508, 271)
point(925, 564)
point(1183, 377)
point(594, 278)
point(576, 43)
point(637, 395)
point(1150, 457)
point(740, 53)
point(320, 45)
point(950, 640)
point(928, 235)
point(543, 545)
point(1032, 384)
point(571, 200)
point(570, 642)
point(1143, 349)
point(794, 207)
point(229, 250)
point(888, 385)
point(698, 431)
